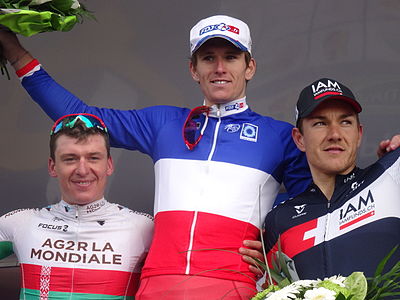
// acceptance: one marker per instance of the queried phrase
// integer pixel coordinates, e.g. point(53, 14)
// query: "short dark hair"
point(79, 132)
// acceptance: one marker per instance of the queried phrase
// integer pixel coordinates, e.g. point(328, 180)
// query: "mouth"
point(83, 183)
point(220, 81)
point(334, 149)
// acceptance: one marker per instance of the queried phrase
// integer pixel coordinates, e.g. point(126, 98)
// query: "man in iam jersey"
point(82, 247)
point(348, 219)
point(218, 168)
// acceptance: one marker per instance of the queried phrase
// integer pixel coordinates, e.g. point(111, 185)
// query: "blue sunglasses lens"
point(69, 121)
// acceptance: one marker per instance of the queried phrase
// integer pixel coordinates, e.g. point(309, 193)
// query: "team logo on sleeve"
point(249, 132)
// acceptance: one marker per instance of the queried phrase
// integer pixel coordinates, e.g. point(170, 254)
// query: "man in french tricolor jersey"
point(82, 247)
point(218, 167)
point(348, 219)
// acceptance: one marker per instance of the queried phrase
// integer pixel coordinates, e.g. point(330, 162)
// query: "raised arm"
point(13, 51)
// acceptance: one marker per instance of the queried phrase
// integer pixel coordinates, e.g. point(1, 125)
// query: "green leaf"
point(62, 5)
point(382, 264)
point(356, 283)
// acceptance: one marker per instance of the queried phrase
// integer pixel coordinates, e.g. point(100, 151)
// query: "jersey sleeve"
point(8, 224)
point(294, 168)
point(271, 235)
point(129, 129)
point(391, 161)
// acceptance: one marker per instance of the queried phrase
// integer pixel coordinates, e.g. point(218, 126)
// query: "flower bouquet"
point(29, 17)
point(355, 287)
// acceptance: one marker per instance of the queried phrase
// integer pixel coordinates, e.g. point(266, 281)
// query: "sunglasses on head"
point(69, 121)
point(195, 125)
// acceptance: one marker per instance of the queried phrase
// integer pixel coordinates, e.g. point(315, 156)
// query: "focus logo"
point(220, 27)
point(232, 128)
point(54, 227)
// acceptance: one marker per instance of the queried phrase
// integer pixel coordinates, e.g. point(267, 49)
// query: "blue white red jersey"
point(93, 251)
point(353, 231)
point(208, 199)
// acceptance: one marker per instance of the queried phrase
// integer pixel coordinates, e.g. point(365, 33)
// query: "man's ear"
point(110, 166)
point(51, 167)
point(360, 131)
point(298, 139)
point(193, 72)
point(251, 69)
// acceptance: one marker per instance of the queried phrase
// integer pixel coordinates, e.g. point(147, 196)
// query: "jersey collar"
point(83, 210)
point(227, 109)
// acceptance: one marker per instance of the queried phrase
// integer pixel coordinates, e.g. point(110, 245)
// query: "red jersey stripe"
point(108, 282)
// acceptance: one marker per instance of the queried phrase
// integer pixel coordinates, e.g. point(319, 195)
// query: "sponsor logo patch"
point(357, 211)
point(236, 106)
point(321, 89)
point(53, 227)
point(249, 132)
point(299, 210)
point(232, 128)
point(219, 27)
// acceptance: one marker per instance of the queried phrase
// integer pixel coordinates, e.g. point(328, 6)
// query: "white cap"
point(231, 29)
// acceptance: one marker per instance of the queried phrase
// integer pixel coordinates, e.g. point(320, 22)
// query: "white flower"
point(319, 294)
point(339, 280)
point(288, 292)
point(75, 4)
point(305, 283)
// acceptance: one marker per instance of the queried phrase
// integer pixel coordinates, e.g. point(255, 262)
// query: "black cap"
point(321, 90)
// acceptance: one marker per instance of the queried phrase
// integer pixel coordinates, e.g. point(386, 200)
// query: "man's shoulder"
point(300, 199)
point(20, 212)
point(125, 212)
point(390, 158)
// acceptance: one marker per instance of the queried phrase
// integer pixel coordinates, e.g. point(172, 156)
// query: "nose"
point(334, 133)
point(219, 66)
point(83, 168)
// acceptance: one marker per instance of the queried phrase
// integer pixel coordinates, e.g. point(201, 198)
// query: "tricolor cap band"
point(234, 30)
point(320, 91)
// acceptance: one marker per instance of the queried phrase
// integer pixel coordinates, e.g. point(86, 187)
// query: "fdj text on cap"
point(321, 90)
point(231, 29)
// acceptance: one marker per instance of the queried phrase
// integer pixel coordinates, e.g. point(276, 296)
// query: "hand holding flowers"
point(29, 17)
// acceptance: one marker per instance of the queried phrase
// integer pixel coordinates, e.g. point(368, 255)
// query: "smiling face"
point(331, 136)
point(222, 71)
point(82, 168)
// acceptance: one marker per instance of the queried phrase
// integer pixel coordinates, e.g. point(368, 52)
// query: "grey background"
point(136, 55)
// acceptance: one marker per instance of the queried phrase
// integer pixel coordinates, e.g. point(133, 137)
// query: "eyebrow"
point(342, 116)
point(74, 154)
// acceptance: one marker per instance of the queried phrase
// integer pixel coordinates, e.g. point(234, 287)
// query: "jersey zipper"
point(215, 137)
point(194, 221)
point(77, 219)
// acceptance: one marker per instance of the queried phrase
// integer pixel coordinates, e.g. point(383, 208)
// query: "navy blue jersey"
point(353, 231)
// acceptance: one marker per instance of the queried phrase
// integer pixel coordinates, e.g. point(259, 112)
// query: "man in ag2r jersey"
point(82, 247)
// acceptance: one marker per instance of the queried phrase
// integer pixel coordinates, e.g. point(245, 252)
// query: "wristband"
point(27, 68)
